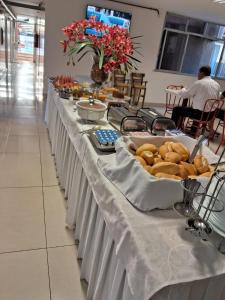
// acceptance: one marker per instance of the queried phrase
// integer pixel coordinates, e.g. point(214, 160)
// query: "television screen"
point(109, 17)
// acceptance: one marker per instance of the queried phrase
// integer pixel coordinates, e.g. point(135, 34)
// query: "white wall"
point(144, 22)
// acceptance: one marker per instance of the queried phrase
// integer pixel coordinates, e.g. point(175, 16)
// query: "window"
point(188, 43)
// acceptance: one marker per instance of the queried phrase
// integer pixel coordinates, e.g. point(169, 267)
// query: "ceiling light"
point(219, 1)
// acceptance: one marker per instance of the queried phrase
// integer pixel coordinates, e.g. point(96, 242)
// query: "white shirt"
point(200, 91)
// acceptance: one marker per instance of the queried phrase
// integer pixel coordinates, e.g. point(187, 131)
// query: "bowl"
point(92, 111)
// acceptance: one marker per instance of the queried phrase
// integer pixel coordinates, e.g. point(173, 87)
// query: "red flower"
point(115, 42)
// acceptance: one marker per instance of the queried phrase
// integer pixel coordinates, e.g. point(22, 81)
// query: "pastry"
point(183, 173)
point(201, 164)
point(182, 150)
point(207, 174)
point(169, 146)
point(141, 160)
point(108, 90)
point(172, 157)
point(148, 169)
point(118, 94)
point(190, 168)
point(157, 160)
point(168, 176)
point(148, 156)
point(101, 97)
point(163, 150)
point(146, 147)
point(165, 167)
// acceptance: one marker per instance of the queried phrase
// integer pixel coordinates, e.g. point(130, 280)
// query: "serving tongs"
point(198, 145)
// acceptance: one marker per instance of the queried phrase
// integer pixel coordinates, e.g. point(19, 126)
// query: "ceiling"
point(26, 11)
point(203, 9)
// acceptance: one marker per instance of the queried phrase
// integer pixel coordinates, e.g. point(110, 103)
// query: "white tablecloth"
point(125, 254)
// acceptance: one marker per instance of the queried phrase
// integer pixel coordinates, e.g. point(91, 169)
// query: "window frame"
point(188, 34)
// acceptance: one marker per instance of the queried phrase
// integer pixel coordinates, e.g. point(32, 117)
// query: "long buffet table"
point(126, 254)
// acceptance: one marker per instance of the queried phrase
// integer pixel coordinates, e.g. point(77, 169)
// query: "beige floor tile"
point(21, 219)
point(23, 129)
point(47, 160)
point(22, 144)
point(42, 128)
point(55, 213)
point(24, 276)
point(20, 170)
point(24, 112)
point(48, 170)
point(65, 274)
point(45, 146)
point(3, 142)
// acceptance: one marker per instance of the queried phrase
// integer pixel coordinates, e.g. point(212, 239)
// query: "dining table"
point(125, 254)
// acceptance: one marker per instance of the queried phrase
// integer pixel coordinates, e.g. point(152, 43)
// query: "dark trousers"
point(220, 114)
point(180, 112)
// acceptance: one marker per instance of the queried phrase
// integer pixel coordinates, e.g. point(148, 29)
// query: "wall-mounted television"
point(108, 16)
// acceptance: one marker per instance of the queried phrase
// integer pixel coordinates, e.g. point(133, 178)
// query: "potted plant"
point(112, 47)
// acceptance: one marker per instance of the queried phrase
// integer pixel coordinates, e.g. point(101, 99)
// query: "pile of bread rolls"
point(171, 161)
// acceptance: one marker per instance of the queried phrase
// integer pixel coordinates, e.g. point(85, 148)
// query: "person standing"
point(203, 89)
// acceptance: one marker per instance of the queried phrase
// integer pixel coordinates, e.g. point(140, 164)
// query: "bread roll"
point(201, 164)
point(141, 160)
point(163, 150)
point(173, 157)
point(183, 173)
point(190, 168)
point(157, 160)
point(193, 177)
point(207, 174)
point(168, 176)
point(169, 146)
point(148, 157)
point(165, 167)
point(182, 150)
point(211, 168)
point(148, 169)
point(146, 147)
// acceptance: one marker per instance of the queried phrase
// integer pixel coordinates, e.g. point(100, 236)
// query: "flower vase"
point(99, 76)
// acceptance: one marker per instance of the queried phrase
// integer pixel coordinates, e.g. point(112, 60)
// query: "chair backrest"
point(119, 78)
point(115, 73)
point(172, 100)
point(174, 87)
point(210, 109)
point(137, 78)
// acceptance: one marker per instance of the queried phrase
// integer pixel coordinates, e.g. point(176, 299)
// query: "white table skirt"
point(102, 265)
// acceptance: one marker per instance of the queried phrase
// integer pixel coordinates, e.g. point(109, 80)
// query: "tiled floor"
point(37, 253)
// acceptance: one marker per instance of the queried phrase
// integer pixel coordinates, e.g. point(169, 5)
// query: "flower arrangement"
point(113, 46)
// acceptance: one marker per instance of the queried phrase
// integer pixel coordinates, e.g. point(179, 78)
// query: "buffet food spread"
point(68, 87)
point(147, 173)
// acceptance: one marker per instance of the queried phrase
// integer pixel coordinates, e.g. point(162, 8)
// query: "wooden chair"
point(121, 83)
point(138, 89)
point(172, 99)
point(210, 110)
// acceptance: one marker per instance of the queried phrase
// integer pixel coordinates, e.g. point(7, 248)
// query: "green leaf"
point(138, 52)
point(133, 58)
point(79, 59)
point(78, 48)
point(136, 37)
point(101, 59)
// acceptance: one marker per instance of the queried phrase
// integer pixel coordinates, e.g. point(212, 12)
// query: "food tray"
point(144, 191)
